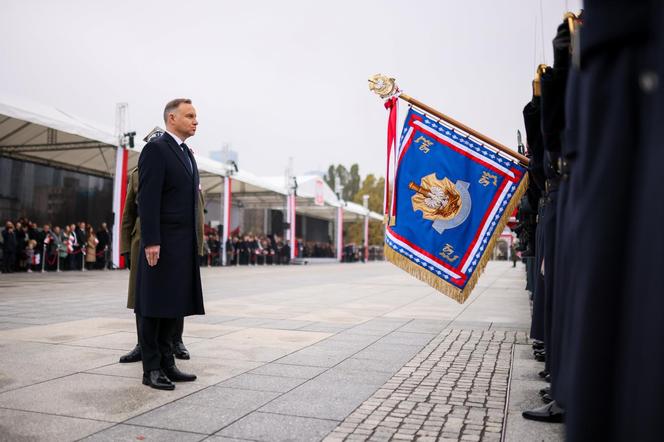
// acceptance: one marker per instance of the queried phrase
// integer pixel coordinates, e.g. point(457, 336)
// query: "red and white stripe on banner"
point(389, 198)
point(119, 196)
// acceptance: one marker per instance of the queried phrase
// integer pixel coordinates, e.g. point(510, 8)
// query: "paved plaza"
point(335, 352)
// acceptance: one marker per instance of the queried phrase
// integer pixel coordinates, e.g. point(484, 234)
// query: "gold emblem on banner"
point(437, 199)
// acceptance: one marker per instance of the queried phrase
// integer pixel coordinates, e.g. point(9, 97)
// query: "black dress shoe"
point(543, 373)
point(545, 390)
point(546, 413)
point(157, 379)
point(541, 357)
point(546, 398)
point(132, 356)
point(548, 378)
point(180, 351)
point(175, 375)
point(538, 345)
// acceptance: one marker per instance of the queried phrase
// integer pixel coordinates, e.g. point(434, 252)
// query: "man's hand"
point(152, 255)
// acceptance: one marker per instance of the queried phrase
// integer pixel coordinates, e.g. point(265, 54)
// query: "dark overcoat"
point(616, 328)
point(167, 207)
point(130, 235)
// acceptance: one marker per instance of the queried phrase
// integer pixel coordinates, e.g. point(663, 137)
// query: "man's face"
point(183, 121)
point(56, 230)
point(47, 228)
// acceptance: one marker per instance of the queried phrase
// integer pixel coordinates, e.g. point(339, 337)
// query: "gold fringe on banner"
point(439, 283)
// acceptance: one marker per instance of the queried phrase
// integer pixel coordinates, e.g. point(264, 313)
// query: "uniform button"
point(648, 81)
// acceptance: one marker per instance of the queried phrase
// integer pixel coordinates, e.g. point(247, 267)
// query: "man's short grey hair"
point(172, 105)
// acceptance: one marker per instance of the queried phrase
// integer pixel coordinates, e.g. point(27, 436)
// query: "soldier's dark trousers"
point(156, 339)
point(179, 329)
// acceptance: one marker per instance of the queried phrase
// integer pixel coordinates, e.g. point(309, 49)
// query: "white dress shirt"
point(176, 138)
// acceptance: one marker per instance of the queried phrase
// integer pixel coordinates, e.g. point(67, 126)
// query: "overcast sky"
point(276, 79)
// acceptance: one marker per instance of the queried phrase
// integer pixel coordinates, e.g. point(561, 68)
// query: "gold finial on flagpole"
point(387, 87)
point(382, 85)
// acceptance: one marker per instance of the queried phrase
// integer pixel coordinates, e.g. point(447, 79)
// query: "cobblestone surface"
point(454, 389)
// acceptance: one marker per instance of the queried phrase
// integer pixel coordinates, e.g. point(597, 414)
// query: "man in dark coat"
point(79, 247)
point(168, 282)
point(102, 246)
point(8, 248)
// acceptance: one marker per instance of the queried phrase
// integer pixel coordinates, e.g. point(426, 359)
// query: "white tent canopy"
point(50, 136)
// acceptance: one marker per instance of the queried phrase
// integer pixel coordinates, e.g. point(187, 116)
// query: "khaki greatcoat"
point(130, 235)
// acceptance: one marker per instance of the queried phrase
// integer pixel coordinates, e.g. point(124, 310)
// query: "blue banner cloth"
point(454, 196)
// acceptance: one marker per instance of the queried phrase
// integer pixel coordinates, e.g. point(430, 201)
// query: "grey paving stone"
point(28, 426)
point(389, 352)
point(214, 438)
point(344, 375)
point(285, 324)
point(183, 416)
point(520, 429)
point(287, 370)
point(340, 400)
point(378, 327)
point(224, 397)
point(90, 396)
point(317, 356)
point(277, 427)
point(259, 382)
point(132, 433)
point(247, 322)
point(355, 363)
point(406, 338)
point(326, 327)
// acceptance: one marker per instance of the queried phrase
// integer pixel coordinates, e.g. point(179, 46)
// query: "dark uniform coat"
point(168, 210)
point(130, 237)
point(616, 309)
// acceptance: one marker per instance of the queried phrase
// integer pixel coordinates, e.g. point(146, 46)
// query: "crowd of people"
point(27, 248)
point(248, 249)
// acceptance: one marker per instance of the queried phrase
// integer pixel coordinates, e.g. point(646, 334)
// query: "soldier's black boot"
point(132, 356)
point(180, 351)
point(551, 412)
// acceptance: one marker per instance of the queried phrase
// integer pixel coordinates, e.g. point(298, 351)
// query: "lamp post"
point(339, 189)
point(231, 169)
point(365, 201)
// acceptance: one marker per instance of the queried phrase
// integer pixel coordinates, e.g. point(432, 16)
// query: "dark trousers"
point(8, 260)
point(155, 335)
point(177, 331)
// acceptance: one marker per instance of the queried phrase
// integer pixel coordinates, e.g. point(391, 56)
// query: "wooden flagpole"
point(386, 87)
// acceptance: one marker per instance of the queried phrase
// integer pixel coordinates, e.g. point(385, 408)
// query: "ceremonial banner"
point(453, 197)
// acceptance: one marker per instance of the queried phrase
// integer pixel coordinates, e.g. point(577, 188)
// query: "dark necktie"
point(184, 149)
